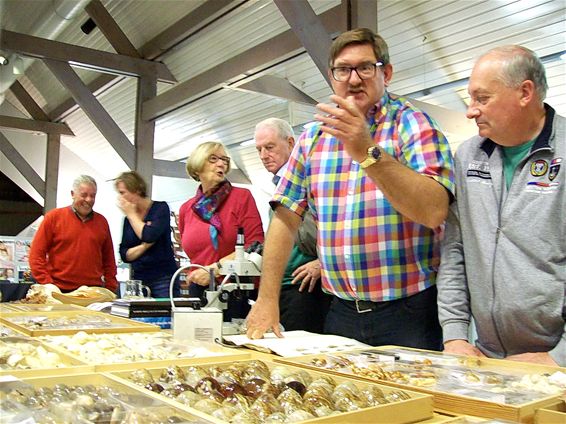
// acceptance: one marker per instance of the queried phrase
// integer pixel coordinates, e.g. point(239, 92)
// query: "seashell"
point(229, 389)
point(324, 411)
point(264, 406)
point(319, 390)
point(194, 374)
point(313, 402)
point(171, 392)
point(324, 380)
point(279, 373)
point(214, 395)
point(240, 402)
point(14, 359)
point(84, 401)
point(225, 413)
point(154, 387)
point(245, 418)
point(276, 418)
point(141, 376)
point(255, 369)
point(290, 400)
point(207, 385)
point(188, 398)
point(299, 387)
point(207, 406)
point(372, 395)
point(346, 404)
point(493, 379)
point(397, 395)
point(253, 386)
point(172, 373)
point(228, 376)
point(35, 402)
point(346, 389)
point(319, 362)
point(182, 387)
point(214, 371)
point(299, 415)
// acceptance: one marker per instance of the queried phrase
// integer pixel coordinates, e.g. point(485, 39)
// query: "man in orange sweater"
point(73, 246)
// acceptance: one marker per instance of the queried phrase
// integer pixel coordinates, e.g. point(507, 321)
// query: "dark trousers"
point(160, 286)
point(410, 322)
point(303, 310)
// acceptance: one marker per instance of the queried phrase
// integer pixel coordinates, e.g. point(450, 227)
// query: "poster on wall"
point(14, 260)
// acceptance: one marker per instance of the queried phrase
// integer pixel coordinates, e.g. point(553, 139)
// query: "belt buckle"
point(362, 311)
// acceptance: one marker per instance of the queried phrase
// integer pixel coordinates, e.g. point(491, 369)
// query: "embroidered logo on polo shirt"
point(539, 168)
point(478, 169)
point(554, 168)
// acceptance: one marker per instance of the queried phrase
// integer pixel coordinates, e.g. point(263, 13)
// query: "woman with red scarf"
point(209, 221)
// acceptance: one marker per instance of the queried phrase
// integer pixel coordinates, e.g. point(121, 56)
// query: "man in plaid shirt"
point(377, 175)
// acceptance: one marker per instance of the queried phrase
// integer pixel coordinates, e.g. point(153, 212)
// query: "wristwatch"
point(374, 154)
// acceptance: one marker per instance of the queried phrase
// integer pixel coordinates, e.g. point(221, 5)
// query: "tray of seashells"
point(69, 322)
point(84, 398)
point(124, 351)
point(23, 356)
point(43, 307)
point(483, 387)
point(257, 391)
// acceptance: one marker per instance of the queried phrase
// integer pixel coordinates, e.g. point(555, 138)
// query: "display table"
point(148, 363)
point(13, 291)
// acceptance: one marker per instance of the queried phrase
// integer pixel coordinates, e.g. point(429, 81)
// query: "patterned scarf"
point(208, 203)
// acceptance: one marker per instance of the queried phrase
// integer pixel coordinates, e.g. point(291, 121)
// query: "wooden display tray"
point(44, 307)
point(123, 325)
point(451, 402)
point(108, 380)
point(221, 354)
point(6, 307)
point(555, 414)
point(416, 409)
point(70, 364)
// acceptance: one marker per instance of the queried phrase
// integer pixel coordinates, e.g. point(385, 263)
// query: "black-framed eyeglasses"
point(365, 71)
point(214, 159)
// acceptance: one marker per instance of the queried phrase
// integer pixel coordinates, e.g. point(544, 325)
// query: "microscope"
point(237, 273)
point(207, 323)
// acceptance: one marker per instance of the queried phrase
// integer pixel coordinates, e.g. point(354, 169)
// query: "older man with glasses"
point(377, 175)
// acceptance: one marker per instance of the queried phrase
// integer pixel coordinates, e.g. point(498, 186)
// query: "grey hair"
point(521, 64)
point(83, 179)
point(283, 128)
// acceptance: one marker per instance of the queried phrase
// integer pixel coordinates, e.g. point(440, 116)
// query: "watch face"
point(375, 152)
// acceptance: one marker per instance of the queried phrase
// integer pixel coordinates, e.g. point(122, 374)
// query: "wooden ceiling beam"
point(111, 30)
point(96, 87)
point(185, 27)
point(29, 125)
point(22, 165)
point(84, 57)
point(308, 28)
point(94, 110)
point(278, 48)
point(270, 85)
point(28, 102)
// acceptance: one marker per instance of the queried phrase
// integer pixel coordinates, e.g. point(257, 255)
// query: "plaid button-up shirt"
point(367, 249)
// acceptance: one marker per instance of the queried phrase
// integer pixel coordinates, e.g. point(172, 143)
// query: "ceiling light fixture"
point(3, 60)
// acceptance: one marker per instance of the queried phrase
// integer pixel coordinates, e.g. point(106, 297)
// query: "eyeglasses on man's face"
point(214, 159)
point(365, 71)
